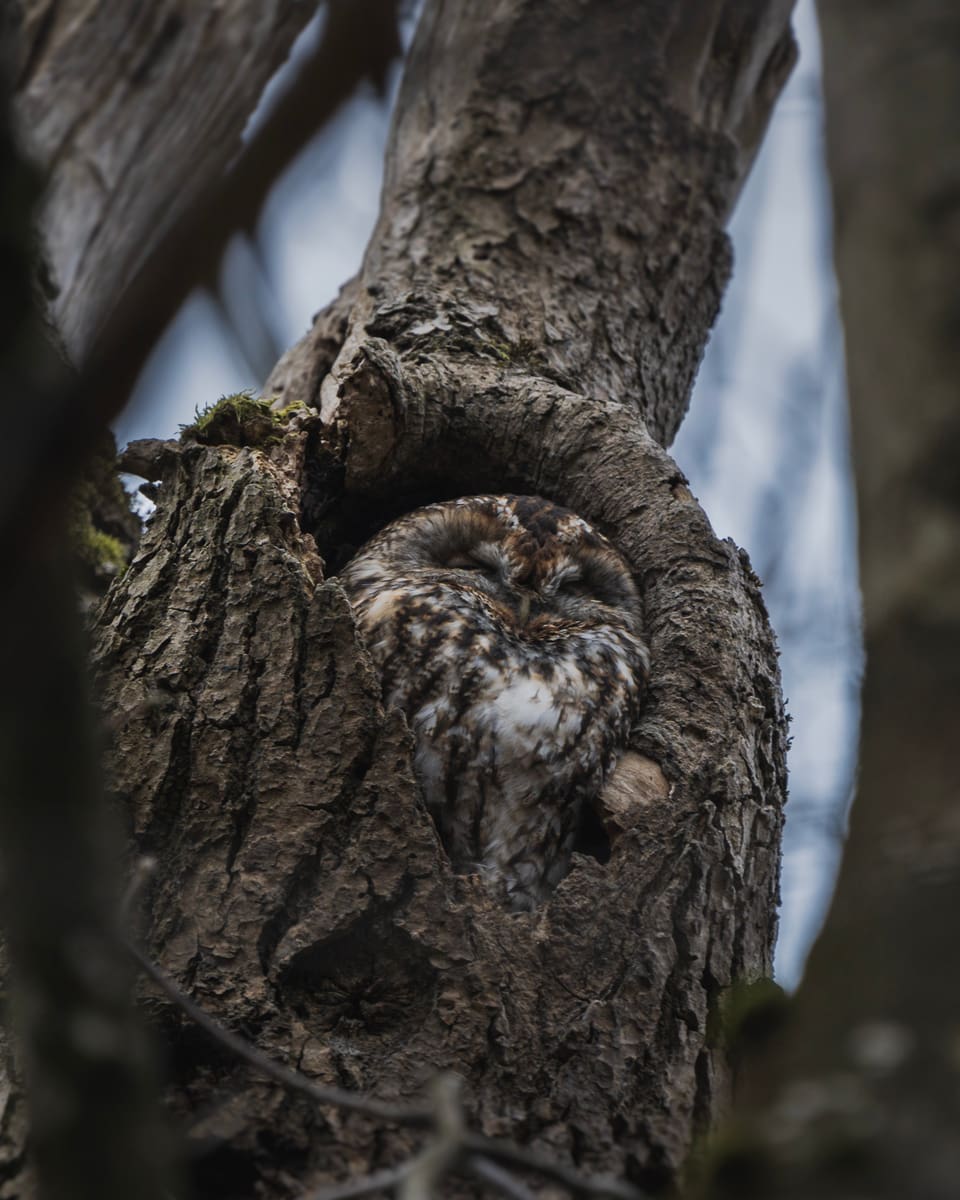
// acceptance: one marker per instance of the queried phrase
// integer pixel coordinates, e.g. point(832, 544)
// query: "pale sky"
point(766, 448)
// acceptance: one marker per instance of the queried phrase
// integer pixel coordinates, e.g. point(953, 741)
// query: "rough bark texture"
point(133, 109)
point(868, 1102)
point(536, 166)
point(94, 1122)
point(529, 317)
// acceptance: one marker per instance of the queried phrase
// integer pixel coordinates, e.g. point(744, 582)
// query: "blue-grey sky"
point(766, 448)
point(764, 445)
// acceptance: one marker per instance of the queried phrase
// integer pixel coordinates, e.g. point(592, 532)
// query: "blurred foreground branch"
point(94, 1126)
point(62, 414)
point(863, 1099)
point(95, 1129)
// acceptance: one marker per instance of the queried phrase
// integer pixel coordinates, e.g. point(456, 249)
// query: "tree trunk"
point(529, 317)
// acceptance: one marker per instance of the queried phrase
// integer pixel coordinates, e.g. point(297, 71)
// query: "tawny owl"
point(507, 630)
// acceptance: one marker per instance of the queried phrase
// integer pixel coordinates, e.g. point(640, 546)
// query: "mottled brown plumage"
point(507, 630)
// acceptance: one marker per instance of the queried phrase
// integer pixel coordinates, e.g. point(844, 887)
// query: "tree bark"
point(529, 317)
point(864, 1092)
point(133, 110)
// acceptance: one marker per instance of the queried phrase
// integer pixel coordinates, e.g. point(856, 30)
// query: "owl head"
point(539, 568)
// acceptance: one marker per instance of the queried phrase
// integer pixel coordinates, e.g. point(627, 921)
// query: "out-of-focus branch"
point(431, 1167)
point(65, 415)
point(494, 1175)
point(529, 1160)
point(365, 1185)
point(359, 42)
point(861, 1096)
point(95, 1130)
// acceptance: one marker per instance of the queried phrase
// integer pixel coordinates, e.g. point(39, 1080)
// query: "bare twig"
point(380, 1181)
point(530, 1160)
point(419, 1177)
point(444, 1151)
point(416, 1177)
point(396, 1177)
point(490, 1172)
point(391, 1114)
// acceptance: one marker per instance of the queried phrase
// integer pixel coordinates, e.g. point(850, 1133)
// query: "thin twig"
point(498, 1177)
point(430, 1168)
point(391, 1114)
point(444, 1114)
point(530, 1160)
point(380, 1181)
point(143, 869)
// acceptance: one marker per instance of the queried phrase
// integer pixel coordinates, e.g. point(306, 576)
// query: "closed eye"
point(599, 578)
point(574, 586)
point(591, 585)
point(484, 557)
point(463, 562)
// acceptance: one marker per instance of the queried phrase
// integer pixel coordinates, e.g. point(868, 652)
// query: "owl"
point(507, 630)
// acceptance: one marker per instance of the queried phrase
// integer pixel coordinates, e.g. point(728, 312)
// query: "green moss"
point(99, 554)
point(732, 1164)
point(103, 532)
point(239, 420)
point(104, 550)
point(522, 353)
point(747, 1015)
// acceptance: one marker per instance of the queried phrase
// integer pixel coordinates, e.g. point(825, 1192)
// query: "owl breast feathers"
point(507, 630)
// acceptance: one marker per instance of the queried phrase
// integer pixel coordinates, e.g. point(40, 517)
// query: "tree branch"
point(366, 1185)
point(66, 414)
point(429, 1168)
point(540, 1164)
point(497, 1177)
point(95, 1127)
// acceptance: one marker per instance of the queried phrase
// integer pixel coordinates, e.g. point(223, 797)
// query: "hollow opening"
point(342, 522)
point(591, 837)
